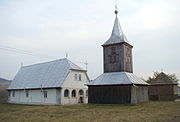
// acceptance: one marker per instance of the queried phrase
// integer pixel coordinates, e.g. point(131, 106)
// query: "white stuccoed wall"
point(35, 97)
point(73, 100)
point(72, 84)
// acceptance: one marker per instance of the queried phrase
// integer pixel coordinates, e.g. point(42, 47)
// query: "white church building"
point(55, 82)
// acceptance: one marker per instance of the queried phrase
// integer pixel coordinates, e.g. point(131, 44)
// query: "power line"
point(20, 51)
point(25, 52)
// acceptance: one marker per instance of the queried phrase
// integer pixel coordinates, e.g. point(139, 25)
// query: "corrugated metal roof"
point(45, 75)
point(117, 78)
point(117, 35)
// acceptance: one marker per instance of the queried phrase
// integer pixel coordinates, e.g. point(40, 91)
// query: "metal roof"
point(43, 75)
point(162, 78)
point(117, 78)
point(117, 35)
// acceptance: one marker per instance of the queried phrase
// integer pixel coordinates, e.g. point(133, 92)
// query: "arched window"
point(66, 93)
point(81, 92)
point(73, 94)
point(86, 93)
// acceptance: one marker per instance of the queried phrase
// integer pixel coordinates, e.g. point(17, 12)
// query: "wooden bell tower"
point(117, 51)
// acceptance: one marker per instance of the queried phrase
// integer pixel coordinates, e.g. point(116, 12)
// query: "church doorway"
point(81, 96)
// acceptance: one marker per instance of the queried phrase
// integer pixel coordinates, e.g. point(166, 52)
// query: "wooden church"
point(118, 84)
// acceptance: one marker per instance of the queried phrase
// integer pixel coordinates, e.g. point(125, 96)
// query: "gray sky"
point(79, 28)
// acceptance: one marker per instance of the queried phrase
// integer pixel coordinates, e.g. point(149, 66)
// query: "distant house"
point(179, 89)
point(163, 89)
point(55, 82)
point(118, 84)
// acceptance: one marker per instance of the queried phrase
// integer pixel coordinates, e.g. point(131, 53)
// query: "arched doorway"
point(73, 94)
point(81, 96)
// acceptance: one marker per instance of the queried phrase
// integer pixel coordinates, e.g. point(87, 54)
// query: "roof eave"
point(79, 70)
point(117, 84)
point(33, 88)
point(105, 45)
point(153, 84)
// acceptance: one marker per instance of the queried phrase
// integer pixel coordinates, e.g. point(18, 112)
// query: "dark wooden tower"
point(118, 84)
point(117, 51)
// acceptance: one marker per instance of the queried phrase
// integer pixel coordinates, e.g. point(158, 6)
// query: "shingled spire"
point(117, 35)
point(117, 51)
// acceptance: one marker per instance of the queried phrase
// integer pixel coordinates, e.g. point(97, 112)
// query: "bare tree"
point(172, 77)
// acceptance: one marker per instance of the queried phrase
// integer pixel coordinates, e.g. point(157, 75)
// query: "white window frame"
point(75, 77)
point(45, 94)
point(13, 94)
point(79, 77)
point(66, 94)
point(27, 93)
point(73, 93)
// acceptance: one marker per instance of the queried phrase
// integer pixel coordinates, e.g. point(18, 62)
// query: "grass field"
point(145, 112)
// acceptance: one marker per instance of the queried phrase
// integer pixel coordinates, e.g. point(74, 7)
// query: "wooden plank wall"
point(139, 94)
point(162, 92)
point(117, 58)
point(109, 94)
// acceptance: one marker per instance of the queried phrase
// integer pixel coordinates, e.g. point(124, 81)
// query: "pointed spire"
point(117, 35)
point(117, 31)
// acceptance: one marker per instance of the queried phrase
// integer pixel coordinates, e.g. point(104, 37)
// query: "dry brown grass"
point(145, 112)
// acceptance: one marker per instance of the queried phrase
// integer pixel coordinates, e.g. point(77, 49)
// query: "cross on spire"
point(117, 35)
point(86, 63)
point(66, 55)
point(116, 7)
point(116, 11)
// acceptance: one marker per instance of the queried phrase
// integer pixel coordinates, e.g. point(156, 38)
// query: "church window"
point(27, 93)
point(80, 77)
point(81, 92)
point(73, 93)
point(75, 76)
point(45, 94)
point(66, 93)
point(13, 94)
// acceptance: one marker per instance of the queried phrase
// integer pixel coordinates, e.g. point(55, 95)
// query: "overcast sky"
point(52, 28)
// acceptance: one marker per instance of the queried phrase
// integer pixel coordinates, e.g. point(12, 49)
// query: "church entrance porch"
point(81, 96)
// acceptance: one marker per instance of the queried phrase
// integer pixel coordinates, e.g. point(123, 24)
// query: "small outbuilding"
point(162, 88)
